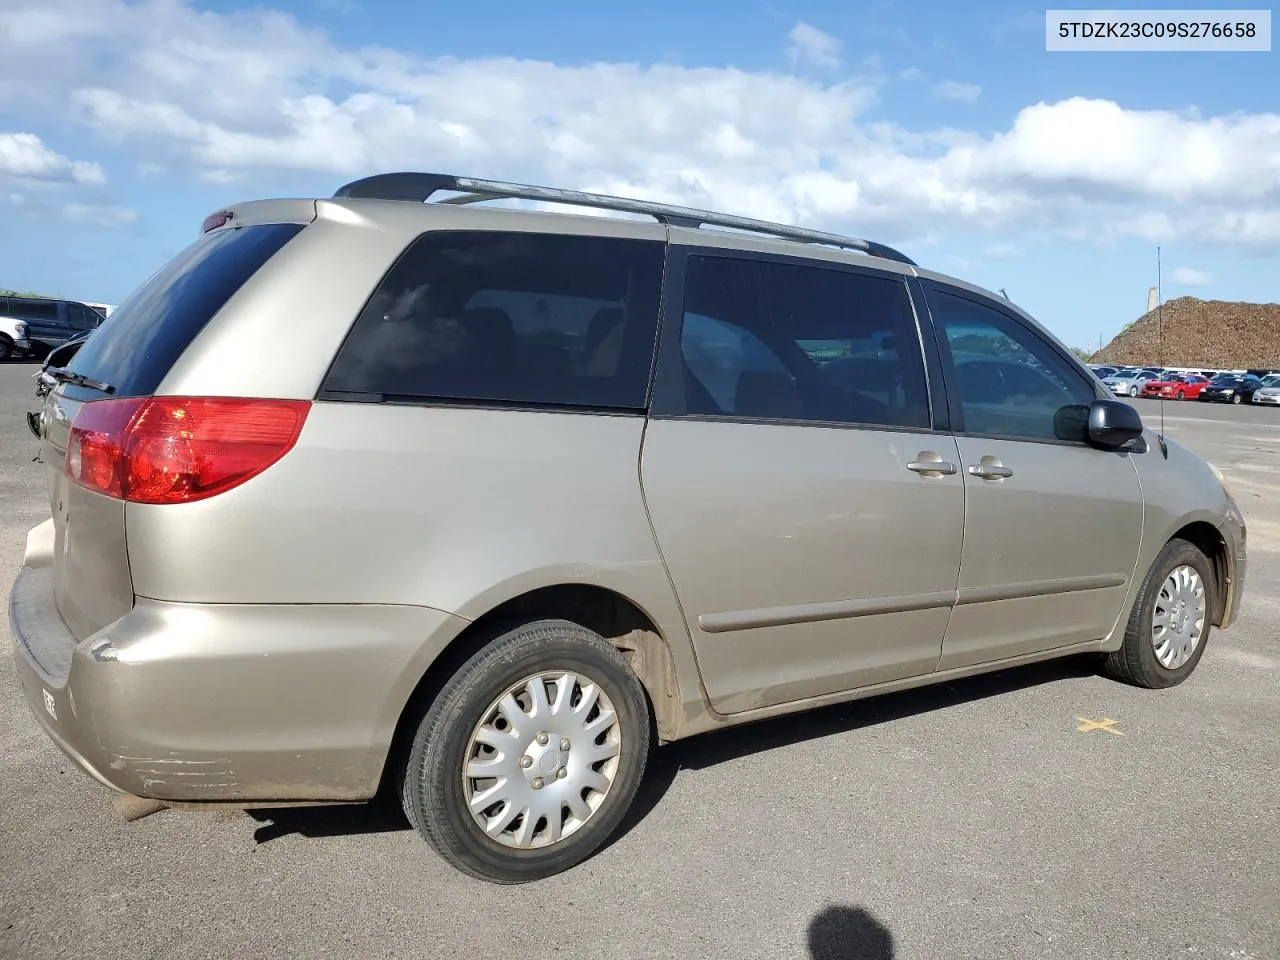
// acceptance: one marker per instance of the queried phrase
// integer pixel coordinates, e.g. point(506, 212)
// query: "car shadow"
point(848, 933)
point(383, 813)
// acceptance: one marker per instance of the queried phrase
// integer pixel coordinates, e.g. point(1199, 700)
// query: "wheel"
point(1133, 391)
point(1169, 625)
point(6, 348)
point(1180, 395)
point(531, 755)
point(1235, 398)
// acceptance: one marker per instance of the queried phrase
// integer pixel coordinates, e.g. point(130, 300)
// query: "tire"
point(1133, 391)
point(1180, 395)
point(435, 787)
point(6, 348)
point(1136, 661)
point(1236, 398)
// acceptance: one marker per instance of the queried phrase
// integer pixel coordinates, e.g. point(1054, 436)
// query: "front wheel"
point(531, 755)
point(1236, 398)
point(1169, 625)
point(1133, 391)
point(1180, 395)
point(6, 348)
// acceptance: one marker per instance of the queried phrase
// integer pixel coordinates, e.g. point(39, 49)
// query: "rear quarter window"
point(144, 337)
point(509, 318)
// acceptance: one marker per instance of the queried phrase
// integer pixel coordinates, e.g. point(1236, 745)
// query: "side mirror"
point(1113, 424)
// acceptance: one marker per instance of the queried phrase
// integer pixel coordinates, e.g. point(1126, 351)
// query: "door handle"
point(930, 464)
point(990, 471)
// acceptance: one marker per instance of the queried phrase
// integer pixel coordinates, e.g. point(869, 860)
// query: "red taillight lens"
point(94, 445)
point(179, 449)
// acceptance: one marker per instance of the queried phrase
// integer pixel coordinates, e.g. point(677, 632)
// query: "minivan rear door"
point(809, 515)
point(130, 357)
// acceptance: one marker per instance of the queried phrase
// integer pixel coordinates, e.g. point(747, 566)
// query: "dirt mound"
point(1218, 334)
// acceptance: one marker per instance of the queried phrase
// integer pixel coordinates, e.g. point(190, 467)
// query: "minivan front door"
point(809, 518)
point(1052, 525)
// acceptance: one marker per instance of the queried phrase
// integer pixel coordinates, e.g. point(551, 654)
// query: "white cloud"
point(911, 73)
point(1002, 251)
point(809, 45)
point(1189, 277)
point(148, 169)
point(956, 90)
point(25, 155)
point(239, 96)
point(102, 216)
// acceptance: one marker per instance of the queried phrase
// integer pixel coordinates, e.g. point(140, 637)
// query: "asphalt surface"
point(969, 820)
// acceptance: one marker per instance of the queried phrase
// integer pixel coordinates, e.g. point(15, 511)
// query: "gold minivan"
point(480, 504)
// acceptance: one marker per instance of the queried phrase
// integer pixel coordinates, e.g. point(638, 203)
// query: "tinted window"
point(1009, 382)
point(151, 329)
point(75, 316)
point(42, 311)
point(793, 342)
point(536, 319)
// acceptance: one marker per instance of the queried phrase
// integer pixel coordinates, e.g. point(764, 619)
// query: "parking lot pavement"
point(971, 820)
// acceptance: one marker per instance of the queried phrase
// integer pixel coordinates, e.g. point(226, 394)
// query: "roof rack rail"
point(420, 187)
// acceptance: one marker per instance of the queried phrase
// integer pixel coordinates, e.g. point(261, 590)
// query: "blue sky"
point(945, 129)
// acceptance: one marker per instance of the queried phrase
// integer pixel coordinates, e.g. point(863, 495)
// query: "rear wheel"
point(1169, 625)
point(531, 755)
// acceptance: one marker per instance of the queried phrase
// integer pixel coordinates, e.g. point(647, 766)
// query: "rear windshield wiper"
point(63, 375)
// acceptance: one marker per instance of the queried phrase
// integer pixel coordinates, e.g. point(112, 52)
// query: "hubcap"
point(1178, 621)
point(542, 760)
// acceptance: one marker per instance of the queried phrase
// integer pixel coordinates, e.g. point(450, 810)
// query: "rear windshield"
point(134, 349)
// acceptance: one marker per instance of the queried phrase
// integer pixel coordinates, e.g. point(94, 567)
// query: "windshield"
point(1226, 381)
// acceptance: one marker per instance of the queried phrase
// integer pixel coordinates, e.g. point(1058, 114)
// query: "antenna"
point(1160, 335)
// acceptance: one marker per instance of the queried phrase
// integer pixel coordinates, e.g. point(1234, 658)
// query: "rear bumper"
point(225, 703)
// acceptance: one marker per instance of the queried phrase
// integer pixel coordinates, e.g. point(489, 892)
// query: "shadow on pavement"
point(384, 815)
point(849, 933)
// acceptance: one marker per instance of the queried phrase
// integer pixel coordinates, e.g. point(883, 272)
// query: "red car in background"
point(1181, 387)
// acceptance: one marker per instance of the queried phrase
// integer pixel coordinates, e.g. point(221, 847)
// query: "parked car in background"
point(46, 376)
point(1231, 388)
point(1129, 384)
point(536, 493)
point(1269, 391)
point(32, 326)
point(1178, 387)
point(1102, 372)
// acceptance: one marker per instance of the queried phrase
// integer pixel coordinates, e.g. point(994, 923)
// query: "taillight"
point(94, 446)
point(178, 449)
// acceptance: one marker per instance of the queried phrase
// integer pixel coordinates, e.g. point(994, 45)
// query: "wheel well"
point(599, 609)
point(1206, 537)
